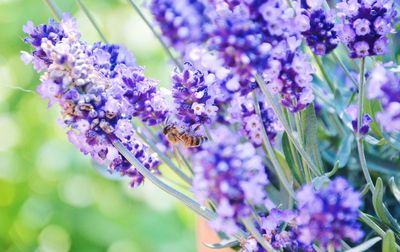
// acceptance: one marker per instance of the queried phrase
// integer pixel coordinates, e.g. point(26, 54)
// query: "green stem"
point(346, 71)
point(324, 73)
point(195, 206)
point(271, 153)
point(278, 113)
point(180, 156)
point(151, 27)
point(360, 144)
point(90, 17)
point(55, 11)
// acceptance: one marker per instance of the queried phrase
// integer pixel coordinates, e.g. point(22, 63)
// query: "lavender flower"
point(248, 34)
point(279, 228)
point(365, 25)
point(352, 111)
point(241, 110)
point(181, 21)
point(99, 89)
point(232, 176)
point(291, 77)
point(385, 86)
point(329, 214)
point(193, 103)
point(319, 28)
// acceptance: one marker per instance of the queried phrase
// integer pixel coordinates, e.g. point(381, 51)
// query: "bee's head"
point(168, 128)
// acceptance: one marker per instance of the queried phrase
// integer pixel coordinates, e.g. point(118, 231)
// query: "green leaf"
point(284, 165)
point(344, 151)
point(310, 126)
point(377, 197)
point(365, 245)
point(320, 181)
point(334, 170)
point(395, 190)
point(289, 158)
point(378, 164)
point(372, 140)
point(223, 244)
point(389, 242)
point(380, 209)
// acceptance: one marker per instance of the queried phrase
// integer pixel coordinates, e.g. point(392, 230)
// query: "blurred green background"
point(52, 198)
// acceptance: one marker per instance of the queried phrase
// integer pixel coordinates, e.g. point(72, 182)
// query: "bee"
point(86, 107)
point(187, 138)
point(106, 127)
point(69, 108)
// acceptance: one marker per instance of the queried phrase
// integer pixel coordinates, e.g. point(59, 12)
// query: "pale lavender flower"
point(231, 175)
point(291, 77)
point(384, 85)
point(328, 215)
point(182, 22)
point(365, 26)
point(100, 90)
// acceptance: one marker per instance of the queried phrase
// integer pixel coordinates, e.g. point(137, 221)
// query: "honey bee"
point(86, 107)
point(69, 108)
point(187, 138)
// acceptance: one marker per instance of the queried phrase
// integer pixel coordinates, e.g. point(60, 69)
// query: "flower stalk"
point(359, 136)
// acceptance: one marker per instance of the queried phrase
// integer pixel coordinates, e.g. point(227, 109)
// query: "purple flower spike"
point(232, 175)
point(319, 29)
point(100, 90)
point(193, 103)
point(329, 215)
point(291, 78)
point(365, 26)
point(385, 86)
point(181, 21)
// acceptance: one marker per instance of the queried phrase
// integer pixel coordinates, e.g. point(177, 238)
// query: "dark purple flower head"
point(192, 100)
point(100, 90)
point(328, 215)
point(352, 110)
point(231, 175)
point(320, 32)
point(291, 78)
point(365, 26)
point(181, 21)
point(385, 86)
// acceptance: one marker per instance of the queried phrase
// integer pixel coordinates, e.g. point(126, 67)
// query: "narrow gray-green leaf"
point(389, 242)
point(344, 151)
point(377, 201)
point(395, 190)
point(320, 181)
point(195, 206)
point(379, 207)
point(334, 170)
point(310, 126)
point(290, 159)
point(365, 245)
point(223, 244)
